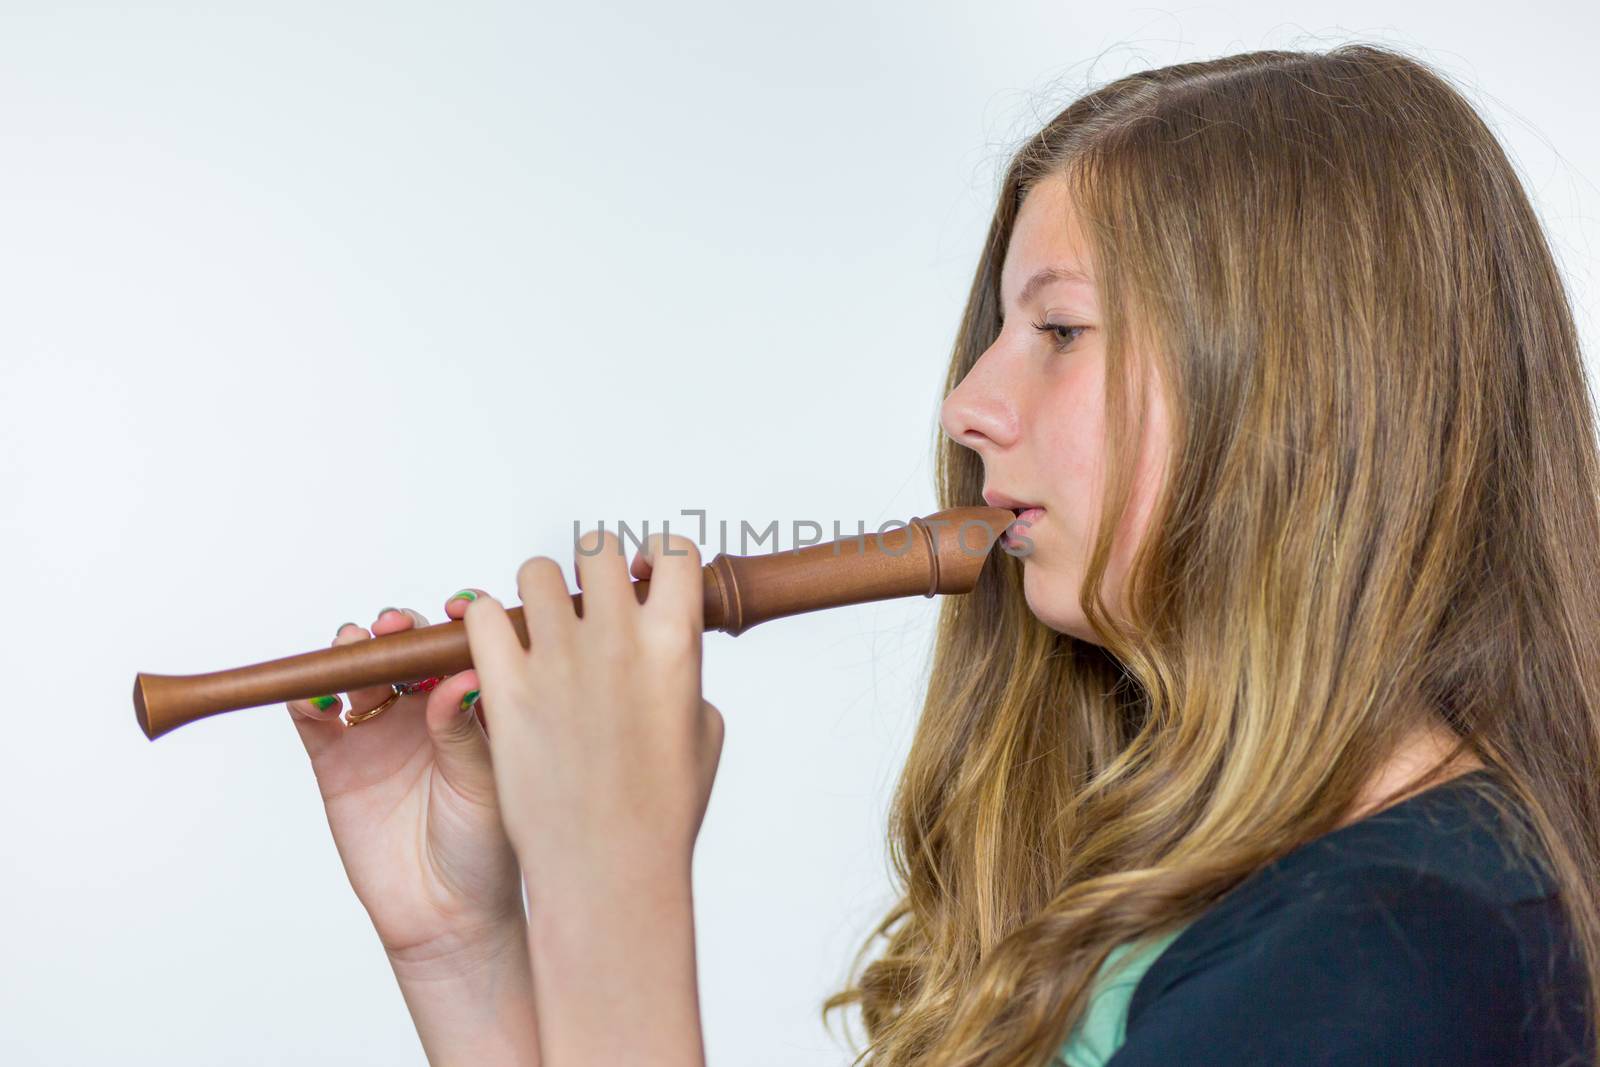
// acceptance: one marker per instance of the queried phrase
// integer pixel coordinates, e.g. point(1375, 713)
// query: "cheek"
point(1071, 437)
point(1067, 425)
point(1148, 475)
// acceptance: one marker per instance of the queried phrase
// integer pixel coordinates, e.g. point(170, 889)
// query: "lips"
point(1027, 513)
point(997, 499)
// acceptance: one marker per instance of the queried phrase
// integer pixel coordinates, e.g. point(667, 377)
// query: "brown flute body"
point(940, 553)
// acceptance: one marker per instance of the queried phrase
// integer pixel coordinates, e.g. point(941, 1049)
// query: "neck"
point(1421, 751)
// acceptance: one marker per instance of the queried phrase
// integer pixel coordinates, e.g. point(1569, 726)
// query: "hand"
point(411, 802)
point(604, 755)
point(604, 749)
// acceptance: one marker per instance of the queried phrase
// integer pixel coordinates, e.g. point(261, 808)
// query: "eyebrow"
point(1045, 275)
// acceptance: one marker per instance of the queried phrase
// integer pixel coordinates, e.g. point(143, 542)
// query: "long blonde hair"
point(1382, 500)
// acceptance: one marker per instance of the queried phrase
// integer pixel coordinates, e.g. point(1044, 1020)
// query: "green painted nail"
point(469, 700)
point(324, 703)
point(465, 594)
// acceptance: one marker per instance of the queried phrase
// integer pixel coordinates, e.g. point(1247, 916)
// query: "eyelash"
point(1051, 327)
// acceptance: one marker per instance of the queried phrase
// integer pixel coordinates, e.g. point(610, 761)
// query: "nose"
point(980, 412)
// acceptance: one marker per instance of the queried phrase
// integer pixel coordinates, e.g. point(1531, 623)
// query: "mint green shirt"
point(1103, 1025)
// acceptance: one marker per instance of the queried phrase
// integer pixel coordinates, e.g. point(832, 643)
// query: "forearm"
point(615, 974)
point(472, 1001)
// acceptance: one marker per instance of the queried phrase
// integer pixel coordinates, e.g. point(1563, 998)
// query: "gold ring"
point(356, 718)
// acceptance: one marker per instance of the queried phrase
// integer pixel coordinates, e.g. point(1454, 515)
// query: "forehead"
point(1046, 234)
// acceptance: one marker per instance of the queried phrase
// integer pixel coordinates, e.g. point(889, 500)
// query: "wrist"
point(625, 941)
point(598, 883)
point(470, 948)
point(470, 996)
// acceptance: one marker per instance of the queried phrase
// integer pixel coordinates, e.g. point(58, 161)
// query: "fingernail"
point(340, 630)
point(465, 594)
point(385, 611)
point(467, 701)
point(324, 703)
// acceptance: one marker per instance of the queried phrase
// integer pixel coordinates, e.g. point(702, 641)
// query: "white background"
point(313, 308)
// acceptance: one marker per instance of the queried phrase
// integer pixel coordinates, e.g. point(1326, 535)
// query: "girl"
point(1279, 747)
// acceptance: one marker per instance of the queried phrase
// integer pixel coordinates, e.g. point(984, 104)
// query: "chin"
point(1044, 595)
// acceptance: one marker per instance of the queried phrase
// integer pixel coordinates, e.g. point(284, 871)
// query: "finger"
point(602, 575)
point(456, 606)
point(389, 621)
point(497, 653)
point(393, 620)
point(641, 567)
point(327, 708)
point(677, 583)
point(460, 747)
point(546, 604)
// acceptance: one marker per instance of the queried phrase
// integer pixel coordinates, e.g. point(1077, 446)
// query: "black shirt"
point(1413, 936)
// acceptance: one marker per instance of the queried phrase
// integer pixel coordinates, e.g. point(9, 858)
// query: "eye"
point(1051, 328)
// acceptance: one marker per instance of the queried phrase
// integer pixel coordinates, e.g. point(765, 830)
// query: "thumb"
point(460, 746)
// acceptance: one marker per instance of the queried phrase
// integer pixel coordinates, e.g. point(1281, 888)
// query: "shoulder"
point(1393, 966)
point(1428, 933)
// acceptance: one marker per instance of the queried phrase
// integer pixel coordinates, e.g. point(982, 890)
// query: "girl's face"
point(1033, 407)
